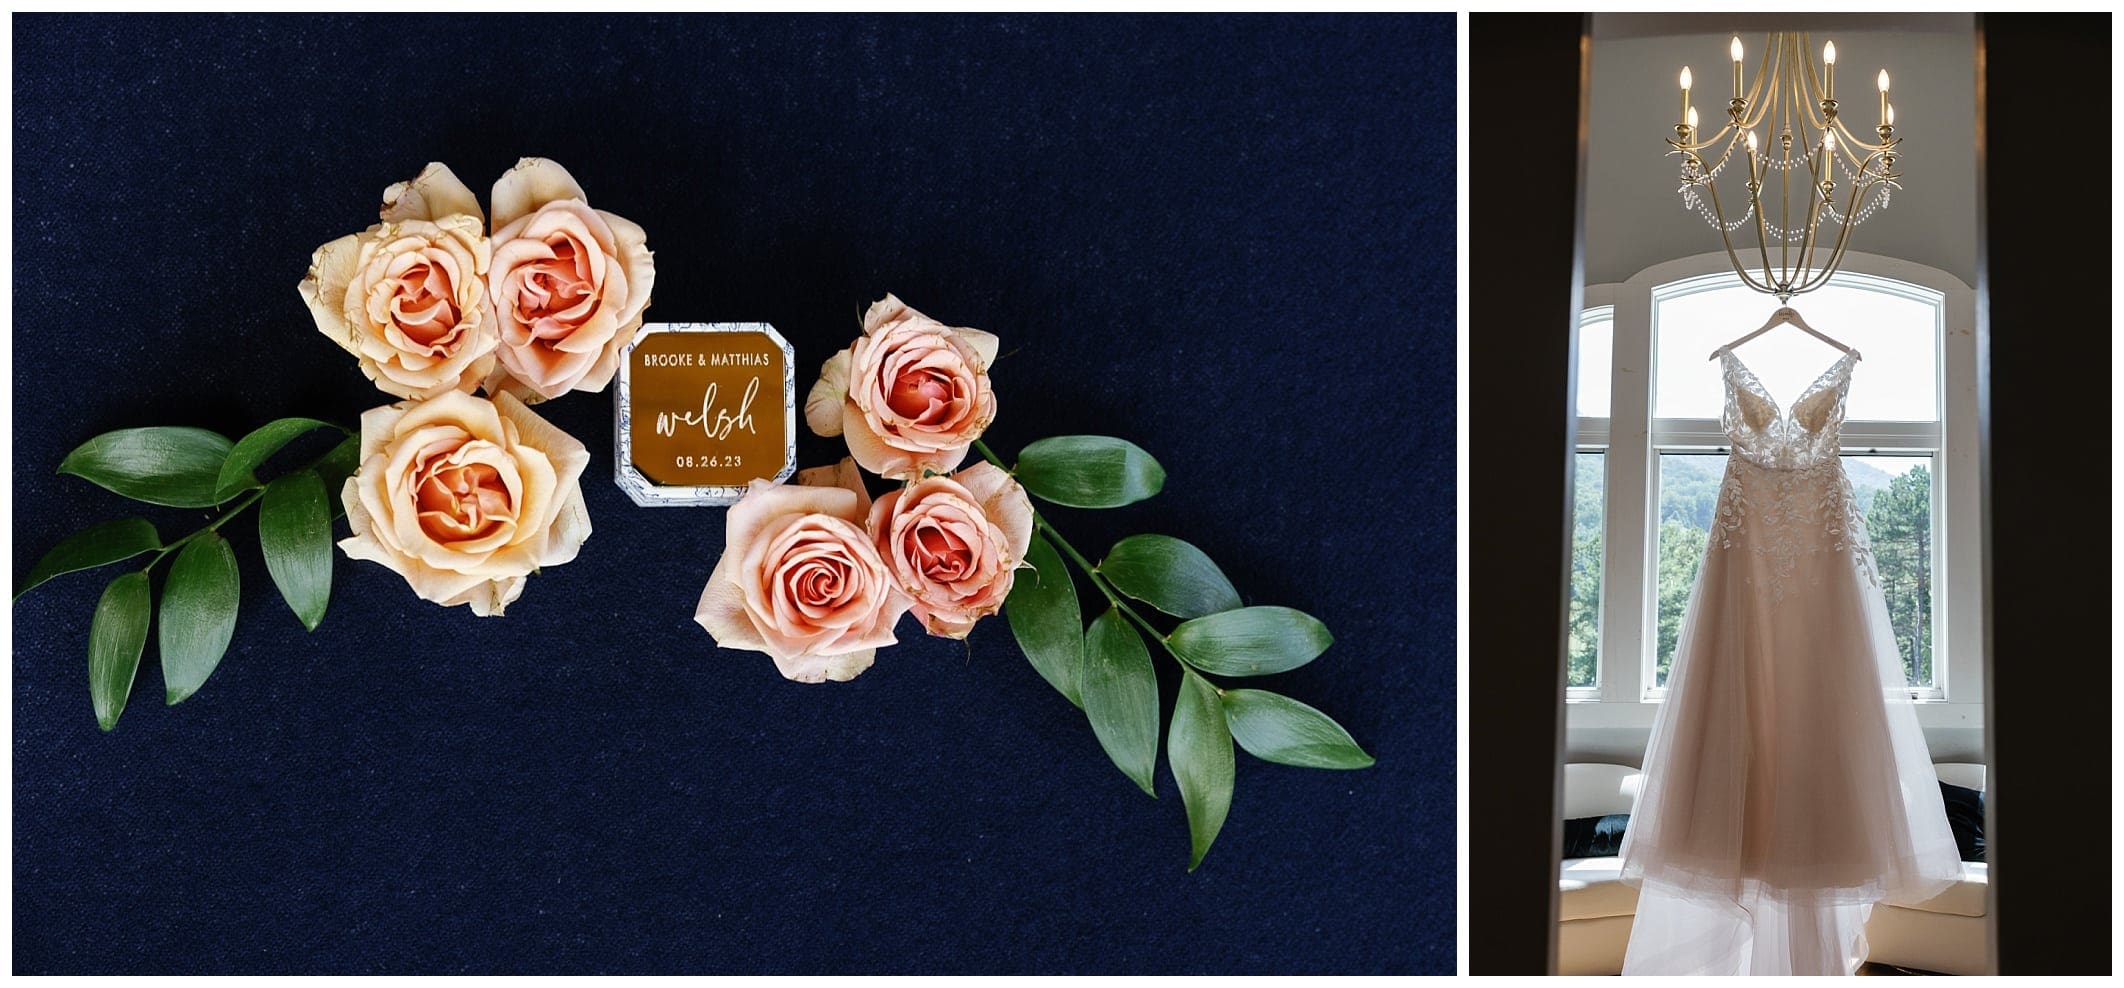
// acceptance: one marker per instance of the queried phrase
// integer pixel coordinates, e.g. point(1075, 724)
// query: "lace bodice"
point(1806, 435)
point(1785, 496)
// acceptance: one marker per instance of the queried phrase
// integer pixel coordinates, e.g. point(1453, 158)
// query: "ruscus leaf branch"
point(1091, 570)
point(253, 491)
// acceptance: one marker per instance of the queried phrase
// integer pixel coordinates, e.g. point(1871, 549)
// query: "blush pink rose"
point(569, 284)
point(408, 296)
point(801, 581)
point(465, 497)
point(954, 544)
point(911, 394)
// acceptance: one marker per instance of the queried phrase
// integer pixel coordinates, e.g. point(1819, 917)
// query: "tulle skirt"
point(1787, 786)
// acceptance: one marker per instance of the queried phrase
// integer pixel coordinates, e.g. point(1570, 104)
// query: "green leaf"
point(1043, 614)
point(1276, 728)
point(253, 450)
point(117, 635)
point(334, 469)
point(1089, 471)
point(198, 614)
point(1120, 691)
point(1200, 749)
point(92, 547)
point(1170, 575)
point(173, 465)
point(1251, 641)
point(295, 535)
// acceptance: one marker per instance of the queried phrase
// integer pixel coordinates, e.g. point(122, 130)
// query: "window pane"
point(1894, 494)
point(1596, 360)
point(1588, 510)
point(1688, 498)
point(1897, 336)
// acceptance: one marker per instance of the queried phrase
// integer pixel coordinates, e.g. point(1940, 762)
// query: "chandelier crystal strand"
point(1693, 201)
point(1845, 180)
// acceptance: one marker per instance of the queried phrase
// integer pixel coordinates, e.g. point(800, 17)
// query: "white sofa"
point(1944, 934)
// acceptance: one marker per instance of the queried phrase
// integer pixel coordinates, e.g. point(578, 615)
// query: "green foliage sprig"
point(1106, 668)
point(184, 467)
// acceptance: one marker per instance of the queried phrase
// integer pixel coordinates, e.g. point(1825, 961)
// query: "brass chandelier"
point(1795, 104)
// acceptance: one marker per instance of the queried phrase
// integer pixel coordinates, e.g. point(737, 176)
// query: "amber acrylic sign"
point(703, 409)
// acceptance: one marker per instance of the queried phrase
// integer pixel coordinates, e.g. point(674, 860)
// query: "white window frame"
point(1632, 441)
point(1592, 437)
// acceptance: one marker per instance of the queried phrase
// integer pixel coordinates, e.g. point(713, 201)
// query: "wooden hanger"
point(1783, 316)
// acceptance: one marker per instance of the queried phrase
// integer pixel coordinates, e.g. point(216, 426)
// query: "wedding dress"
point(1787, 787)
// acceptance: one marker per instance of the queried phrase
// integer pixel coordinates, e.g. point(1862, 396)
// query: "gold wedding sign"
point(702, 410)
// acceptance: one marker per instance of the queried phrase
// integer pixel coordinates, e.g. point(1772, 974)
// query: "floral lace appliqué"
point(1785, 482)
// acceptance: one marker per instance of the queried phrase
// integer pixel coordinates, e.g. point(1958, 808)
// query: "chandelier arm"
point(1846, 149)
point(1822, 275)
point(1755, 209)
point(1843, 239)
point(1851, 156)
point(1812, 242)
point(1817, 201)
point(1790, 82)
point(1795, 267)
point(1813, 80)
point(1762, 242)
point(1708, 141)
point(1725, 237)
point(1856, 142)
point(1762, 235)
point(1725, 155)
point(1708, 172)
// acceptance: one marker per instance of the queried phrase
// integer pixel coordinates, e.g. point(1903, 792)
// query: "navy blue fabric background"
point(1230, 240)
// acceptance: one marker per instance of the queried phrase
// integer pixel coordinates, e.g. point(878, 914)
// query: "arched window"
point(1651, 455)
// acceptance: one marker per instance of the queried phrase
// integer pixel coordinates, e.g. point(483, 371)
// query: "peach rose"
point(408, 296)
point(465, 497)
point(569, 284)
point(801, 581)
point(954, 544)
point(911, 393)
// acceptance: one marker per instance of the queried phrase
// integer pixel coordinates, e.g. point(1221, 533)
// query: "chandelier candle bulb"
point(1828, 70)
point(1685, 93)
point(1883, 81)
point(1736, 49)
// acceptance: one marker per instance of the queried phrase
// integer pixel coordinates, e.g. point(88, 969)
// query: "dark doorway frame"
point(1527, 99)
point(2045, 359)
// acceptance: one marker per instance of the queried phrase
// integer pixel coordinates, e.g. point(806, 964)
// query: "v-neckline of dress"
point(1754, 384)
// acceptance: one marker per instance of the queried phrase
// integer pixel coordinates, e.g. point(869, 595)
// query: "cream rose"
point(569, 284)
point(954, 544)
point(465, 497)
point(801, 581)
point(911, 393)
point(408, 296)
